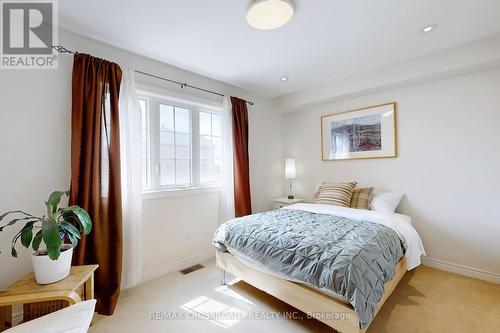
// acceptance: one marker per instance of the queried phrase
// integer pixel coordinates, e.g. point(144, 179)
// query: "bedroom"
point(422, 78)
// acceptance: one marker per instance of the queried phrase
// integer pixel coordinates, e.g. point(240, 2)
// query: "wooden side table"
point(283, 202)
point(39, 300)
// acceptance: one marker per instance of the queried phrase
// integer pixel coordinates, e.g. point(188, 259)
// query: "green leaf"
point(14, 212)
point(54, 200)
point(70, 229)
point(81, 216)
point(53, 252)
point(20, 219)
point(13, 251)
point(37, 240)
point(73, 239)
point(50, 233)
point(72, 232)
point(27, 234)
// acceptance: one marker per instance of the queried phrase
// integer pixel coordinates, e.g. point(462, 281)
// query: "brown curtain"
point(95, 172)
point(242, 200)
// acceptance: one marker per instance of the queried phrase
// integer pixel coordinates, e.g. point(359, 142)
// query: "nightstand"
point(283, 202)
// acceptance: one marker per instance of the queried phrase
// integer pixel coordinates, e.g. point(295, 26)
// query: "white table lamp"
point(290, 173)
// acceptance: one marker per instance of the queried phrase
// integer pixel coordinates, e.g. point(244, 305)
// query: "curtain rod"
point(62, 49)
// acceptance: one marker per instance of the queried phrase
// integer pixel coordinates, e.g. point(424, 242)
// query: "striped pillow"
point(336, 194)
point(362, 197)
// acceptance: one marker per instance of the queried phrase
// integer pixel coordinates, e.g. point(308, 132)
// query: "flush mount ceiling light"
point(284, 78)
point(269, 14)
point(429, 28)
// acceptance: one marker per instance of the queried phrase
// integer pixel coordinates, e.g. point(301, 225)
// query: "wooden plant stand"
point(39, 300)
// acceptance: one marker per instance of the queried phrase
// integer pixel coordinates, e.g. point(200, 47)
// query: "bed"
point(337, 264)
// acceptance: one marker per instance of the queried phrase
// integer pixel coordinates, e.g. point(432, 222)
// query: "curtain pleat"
point(242, 199)
point(226, 208)
point(95, 172)
point(131, 171)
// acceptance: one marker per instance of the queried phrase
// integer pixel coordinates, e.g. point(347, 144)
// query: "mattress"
point(263, 269)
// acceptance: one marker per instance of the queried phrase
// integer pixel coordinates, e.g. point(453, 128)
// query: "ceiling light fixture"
point(269, 14)
point(284, 78)
point(429, 28)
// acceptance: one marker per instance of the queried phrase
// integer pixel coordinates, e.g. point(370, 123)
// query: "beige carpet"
point(426, 300)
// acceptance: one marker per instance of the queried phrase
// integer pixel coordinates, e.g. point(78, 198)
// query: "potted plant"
point(60, 230)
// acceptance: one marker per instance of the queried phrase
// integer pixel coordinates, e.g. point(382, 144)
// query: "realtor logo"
point(29, 29)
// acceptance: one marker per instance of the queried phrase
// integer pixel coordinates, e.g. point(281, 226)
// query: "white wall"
point(179, 232)
point(464, 59)
point(35, 134)
point(34, 150)
point(448, 163)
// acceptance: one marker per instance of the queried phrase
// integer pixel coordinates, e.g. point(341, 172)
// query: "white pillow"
point(73, 319)
point(386, 202)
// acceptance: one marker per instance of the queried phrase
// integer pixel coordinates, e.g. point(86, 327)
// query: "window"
point(175, 146)
point(210, 147)
point(181, 144)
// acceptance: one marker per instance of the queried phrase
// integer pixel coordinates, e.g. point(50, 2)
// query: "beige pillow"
point(338, 194)
point(362, 197)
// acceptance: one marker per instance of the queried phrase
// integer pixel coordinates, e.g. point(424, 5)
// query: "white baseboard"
point(177, 266)
point(461, 270)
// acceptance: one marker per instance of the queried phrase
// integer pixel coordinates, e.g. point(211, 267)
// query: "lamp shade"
point(290, 168)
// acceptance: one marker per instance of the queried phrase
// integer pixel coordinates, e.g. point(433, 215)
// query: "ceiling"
point(326, 39)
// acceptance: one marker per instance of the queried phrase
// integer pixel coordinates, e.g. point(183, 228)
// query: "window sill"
point(176, 192)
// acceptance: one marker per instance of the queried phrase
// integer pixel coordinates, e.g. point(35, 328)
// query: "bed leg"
point(222, 277)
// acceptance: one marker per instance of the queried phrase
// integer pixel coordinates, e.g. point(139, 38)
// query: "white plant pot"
point(50, 271)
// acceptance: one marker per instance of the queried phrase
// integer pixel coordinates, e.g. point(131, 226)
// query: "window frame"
point(195, 106)
point(147, 116)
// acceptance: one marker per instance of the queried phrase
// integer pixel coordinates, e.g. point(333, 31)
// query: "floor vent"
point(191, 269)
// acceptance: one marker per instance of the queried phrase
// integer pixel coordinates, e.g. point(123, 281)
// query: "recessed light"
point(429, 28)
point(269, 14)
point(284, 78)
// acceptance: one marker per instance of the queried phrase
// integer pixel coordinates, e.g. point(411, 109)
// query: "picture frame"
point(366, 133)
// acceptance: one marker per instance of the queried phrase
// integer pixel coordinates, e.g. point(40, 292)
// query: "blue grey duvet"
point(349, 257)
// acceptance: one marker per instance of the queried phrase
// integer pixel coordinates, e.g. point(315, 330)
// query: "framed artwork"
point(360, 134)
